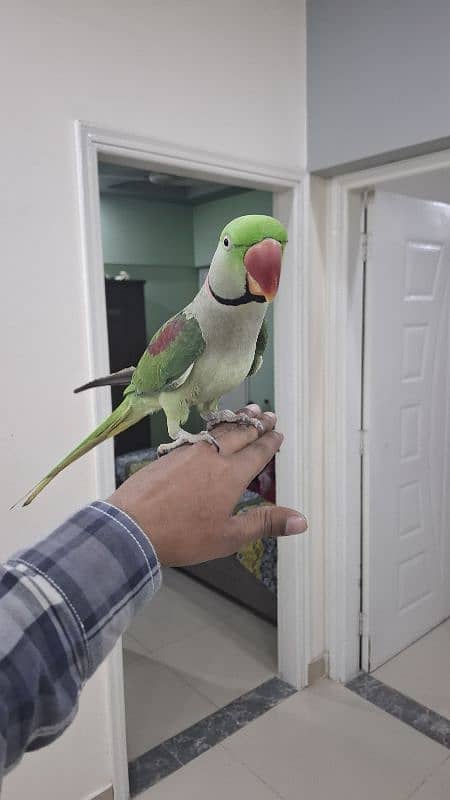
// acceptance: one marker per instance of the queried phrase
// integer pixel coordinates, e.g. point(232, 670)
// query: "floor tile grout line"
point(428, 777)
point(191, 685)
point(212, 624)
point(181, 677)
point(425, 721)
point(150, 653)
point(282, 691)
point(255, 774)
point(194, 688)
point(442, 625)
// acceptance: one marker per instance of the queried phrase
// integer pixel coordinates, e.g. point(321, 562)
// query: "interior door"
point(406, 478)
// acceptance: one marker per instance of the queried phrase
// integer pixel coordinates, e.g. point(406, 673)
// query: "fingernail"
point(297, 524)
point(252, 408)
point(270, 414)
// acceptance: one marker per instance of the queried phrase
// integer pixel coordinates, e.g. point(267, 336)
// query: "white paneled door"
point(406, 473)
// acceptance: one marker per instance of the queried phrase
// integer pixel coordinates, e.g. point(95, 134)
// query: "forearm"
point(63, 605)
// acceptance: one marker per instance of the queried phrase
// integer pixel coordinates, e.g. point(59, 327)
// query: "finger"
point(261, 523)
point(252, 410)
point(233, 437)
point(250, 461)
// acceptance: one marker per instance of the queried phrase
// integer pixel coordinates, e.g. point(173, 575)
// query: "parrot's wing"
point(261, 344)
point(121, 378)
point(170, 356)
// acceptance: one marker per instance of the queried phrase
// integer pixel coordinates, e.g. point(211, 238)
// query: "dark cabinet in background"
point(127, 341)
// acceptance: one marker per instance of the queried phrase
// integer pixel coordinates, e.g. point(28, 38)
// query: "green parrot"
point(205, 350)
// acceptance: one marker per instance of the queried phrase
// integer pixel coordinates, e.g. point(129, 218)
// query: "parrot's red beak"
point(263, 264)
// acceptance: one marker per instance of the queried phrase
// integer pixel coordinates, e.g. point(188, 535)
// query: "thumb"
point(263, 522)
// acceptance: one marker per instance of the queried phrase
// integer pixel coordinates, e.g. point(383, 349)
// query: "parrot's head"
point(246, 266)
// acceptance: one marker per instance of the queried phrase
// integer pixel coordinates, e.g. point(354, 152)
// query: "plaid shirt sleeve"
point(63, 605)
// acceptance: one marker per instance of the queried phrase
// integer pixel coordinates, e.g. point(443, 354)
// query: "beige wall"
point(226, 78)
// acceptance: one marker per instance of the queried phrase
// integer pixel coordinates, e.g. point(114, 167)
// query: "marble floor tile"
point(404, 708)
point(158, 703)
point(422, 671)
point(227, 660)
point(215, 774)
point(436, 786)
point(150, 767)
point(181, 607)
point(329, 742)
point(132, 644)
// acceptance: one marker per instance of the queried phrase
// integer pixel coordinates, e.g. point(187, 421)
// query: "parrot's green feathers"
point(261, 344)
point(247, 230)
point(170, 356)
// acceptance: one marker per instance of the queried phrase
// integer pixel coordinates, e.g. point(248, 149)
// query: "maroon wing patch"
point(166, 336)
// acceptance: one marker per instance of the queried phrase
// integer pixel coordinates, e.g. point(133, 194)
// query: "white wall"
point(377, 80)
point(227, 78)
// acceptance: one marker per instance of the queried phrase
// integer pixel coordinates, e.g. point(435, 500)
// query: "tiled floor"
point(422, 671)
point(189, 652)
point(322, 742)
point(198, 651)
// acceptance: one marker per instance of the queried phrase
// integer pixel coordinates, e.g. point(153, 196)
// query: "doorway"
point(396, 502)
point(289, 322)
point(210, 635)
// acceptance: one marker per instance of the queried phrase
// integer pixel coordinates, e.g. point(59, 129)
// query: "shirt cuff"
point(105, 569)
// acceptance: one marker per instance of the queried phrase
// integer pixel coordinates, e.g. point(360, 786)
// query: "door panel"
point(407, 415)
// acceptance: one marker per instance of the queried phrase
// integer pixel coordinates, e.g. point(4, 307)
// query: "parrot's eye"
point(227, 242)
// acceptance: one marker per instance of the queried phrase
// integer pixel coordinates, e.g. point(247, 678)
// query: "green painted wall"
point(139, 232)
point(209, 221)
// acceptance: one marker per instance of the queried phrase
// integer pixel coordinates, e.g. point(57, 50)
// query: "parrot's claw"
point(187, 438)
point(214, 418)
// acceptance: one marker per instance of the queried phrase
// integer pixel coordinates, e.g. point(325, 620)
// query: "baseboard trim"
point(317, 669)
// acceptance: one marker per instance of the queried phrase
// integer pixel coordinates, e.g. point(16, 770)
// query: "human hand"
point(184, 501)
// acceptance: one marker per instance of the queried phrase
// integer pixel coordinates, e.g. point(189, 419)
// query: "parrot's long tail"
point(130, 411)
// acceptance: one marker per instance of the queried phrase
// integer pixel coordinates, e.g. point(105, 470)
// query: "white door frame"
point(291, 347)
point(343, 448)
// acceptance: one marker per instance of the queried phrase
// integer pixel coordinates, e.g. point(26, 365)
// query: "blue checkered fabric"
point(63, 605)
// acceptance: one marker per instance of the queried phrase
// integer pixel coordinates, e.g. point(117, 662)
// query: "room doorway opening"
point(98, 147)
point(159, 232)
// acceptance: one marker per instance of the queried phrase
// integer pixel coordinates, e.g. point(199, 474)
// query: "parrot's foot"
point(183, 437)
point(214, 418)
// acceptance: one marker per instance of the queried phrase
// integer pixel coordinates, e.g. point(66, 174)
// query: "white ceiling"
point(125, 181)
